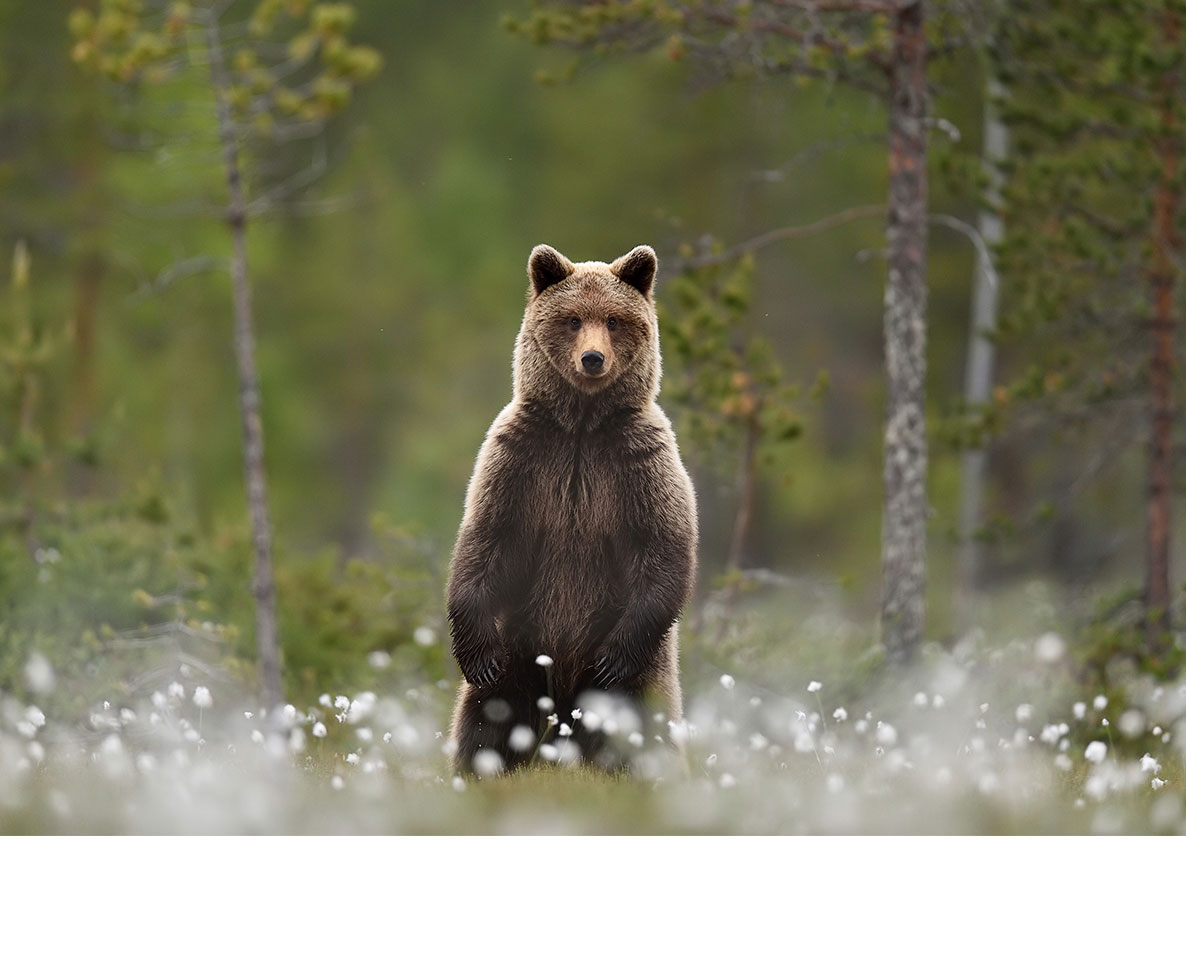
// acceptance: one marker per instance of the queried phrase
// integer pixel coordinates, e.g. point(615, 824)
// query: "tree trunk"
point(904, 524)
point(263, 584)
point(745, 506)
point(981, 354)
point(1161, 369)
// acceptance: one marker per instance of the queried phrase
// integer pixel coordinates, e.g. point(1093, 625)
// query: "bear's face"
point(594, 322)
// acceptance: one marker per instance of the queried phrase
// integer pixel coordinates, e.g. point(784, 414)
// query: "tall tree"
point(279, 73)
point(875, 45)
point(1097, 106)
point(981, 355)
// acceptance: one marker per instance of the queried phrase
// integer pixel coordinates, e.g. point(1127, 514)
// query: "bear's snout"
point(592, 361)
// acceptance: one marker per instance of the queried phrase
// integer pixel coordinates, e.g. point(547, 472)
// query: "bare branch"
point(180, 270)
point(813, 152)
point(780, 235)
point(278, 193)
point(977, 240)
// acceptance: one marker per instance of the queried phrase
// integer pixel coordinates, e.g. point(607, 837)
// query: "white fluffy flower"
point(1150, 764)
point(543, 660)
point(727, 682)
point(202, 697)
point(319, 730)
point(1050, 648)
point(39, 674)
point(814, 687)
point(522, 738)
point(1100, 702)
point(1096, 752)
point(840, 714)
point(425, 636)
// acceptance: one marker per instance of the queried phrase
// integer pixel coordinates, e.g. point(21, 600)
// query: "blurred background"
point(389, 285)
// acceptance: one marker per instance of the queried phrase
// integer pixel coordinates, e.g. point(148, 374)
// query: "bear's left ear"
point(638, 268)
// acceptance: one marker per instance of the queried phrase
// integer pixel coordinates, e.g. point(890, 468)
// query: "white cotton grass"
point(942, 746)
point(39, 674)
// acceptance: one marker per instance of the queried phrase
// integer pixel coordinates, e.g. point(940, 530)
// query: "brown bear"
point(577, 547)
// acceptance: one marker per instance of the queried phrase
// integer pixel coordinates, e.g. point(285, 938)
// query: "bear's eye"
point(611, 323)
point(574, 323)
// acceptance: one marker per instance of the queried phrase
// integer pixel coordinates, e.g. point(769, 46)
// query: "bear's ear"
point(547, 267)
point(638, 268)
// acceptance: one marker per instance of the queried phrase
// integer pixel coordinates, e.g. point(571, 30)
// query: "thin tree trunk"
point(27, 387)
point(904, 524)
point(263, 584)
point(981, 355)
point(745, 507)
point(1161, 368)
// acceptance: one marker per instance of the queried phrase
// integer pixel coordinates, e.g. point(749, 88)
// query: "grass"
point(989, 735)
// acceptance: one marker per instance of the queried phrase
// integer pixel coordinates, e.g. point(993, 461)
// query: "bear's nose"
point(592, 361)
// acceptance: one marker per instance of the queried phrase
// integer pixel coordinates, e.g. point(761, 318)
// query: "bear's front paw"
point(482, 673)
point(614, 672)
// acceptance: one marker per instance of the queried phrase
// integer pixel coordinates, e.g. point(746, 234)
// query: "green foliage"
point(726, 39)
point(724, 379)
point(1089, 115)
point(120, 596)
point(311, 80)
point(33, 450)
point(363, 622)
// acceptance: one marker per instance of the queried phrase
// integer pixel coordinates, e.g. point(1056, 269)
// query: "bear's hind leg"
point(484, 720)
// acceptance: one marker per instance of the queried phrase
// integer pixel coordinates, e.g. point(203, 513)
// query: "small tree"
point(280, 73)
point(738, 406)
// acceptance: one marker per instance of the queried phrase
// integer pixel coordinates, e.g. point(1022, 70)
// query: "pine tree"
point(279, 74)
point(1096, 105)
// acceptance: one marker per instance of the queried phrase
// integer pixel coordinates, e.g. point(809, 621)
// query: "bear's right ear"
point(547, 267)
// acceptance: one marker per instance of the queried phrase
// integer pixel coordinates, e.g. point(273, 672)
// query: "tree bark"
point(745, 506)
point(904, 523)
point(1161, 370)
point(981, 357)
point(263, 583)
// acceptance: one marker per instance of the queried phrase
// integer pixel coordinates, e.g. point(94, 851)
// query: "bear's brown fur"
point(578, 540)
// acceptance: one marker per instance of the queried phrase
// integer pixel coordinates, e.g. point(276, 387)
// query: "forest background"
point(388, 273)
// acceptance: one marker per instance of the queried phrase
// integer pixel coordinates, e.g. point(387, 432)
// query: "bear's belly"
point(574, 600)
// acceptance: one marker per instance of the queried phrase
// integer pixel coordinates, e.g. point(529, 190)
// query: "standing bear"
point(577, 547)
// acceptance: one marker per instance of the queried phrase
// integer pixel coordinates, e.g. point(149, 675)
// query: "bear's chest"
point(583, 488)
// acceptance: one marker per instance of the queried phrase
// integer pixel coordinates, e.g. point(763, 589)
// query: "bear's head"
point(590, 329)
